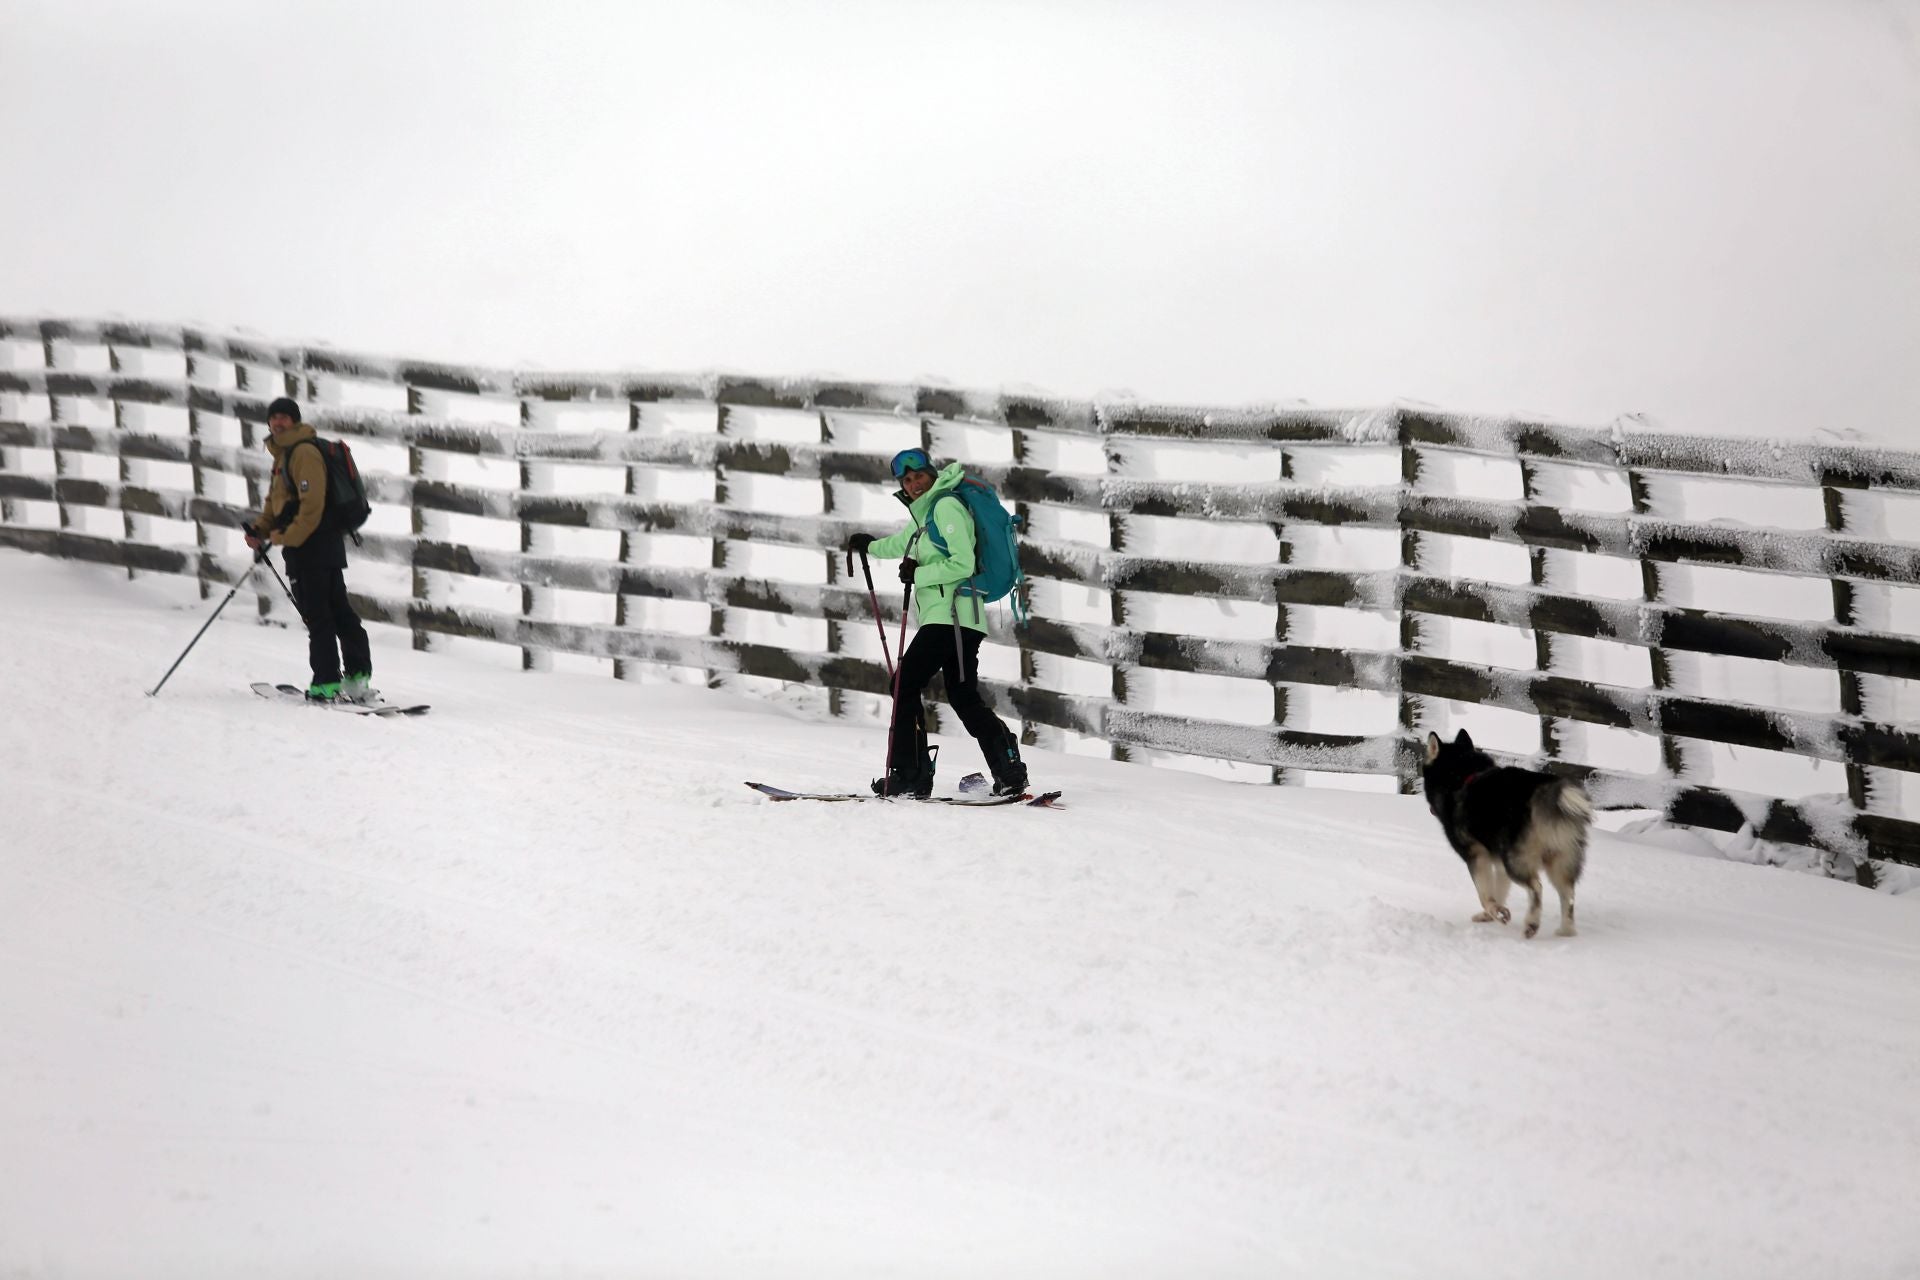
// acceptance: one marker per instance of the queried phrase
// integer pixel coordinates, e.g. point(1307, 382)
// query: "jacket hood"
point(278, 445)
point(951, 475)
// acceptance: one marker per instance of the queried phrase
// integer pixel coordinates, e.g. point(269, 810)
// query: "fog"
point(1707, 214)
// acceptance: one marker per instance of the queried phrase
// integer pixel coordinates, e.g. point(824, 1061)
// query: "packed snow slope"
point(533, 986)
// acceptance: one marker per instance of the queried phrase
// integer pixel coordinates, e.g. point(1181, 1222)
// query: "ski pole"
point(202, 631)
point(874, 599)
point(284, 587)
point(261, 557)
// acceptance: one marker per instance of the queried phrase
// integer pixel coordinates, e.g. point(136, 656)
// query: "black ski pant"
point(933, 652)
point(334, 631)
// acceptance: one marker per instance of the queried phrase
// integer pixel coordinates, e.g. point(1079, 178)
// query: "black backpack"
point(347, 505)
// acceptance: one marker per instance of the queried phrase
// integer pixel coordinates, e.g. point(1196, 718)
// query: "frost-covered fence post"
point(9, 457)
point(58, 355)
point(717, 562)
point(253, 434)
point(423, 468)
point(1117, 545)
point(1660, 664)
point(1409, 777)
point(640, 483)
point(1846, 613)
point(536, 537)
point(1537, 574)
point(836, 630)
point(196, 451)
point(130, 529)
point(1023, 517)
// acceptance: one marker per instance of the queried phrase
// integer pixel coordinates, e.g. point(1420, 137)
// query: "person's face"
point(280, 423)
point(916, 483)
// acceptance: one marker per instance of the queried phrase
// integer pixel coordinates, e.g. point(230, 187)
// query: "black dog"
point(1506, 822)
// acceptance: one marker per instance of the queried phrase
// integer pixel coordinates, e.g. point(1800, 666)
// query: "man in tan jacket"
point(295, 520)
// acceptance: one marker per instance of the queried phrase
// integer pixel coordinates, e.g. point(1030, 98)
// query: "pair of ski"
point(294, 693)
point(974, 794)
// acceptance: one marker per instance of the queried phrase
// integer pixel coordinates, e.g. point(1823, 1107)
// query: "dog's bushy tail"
point(1572, 800)
point(1562, 811)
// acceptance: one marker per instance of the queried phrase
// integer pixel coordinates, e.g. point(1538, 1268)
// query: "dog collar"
point(1468, 780)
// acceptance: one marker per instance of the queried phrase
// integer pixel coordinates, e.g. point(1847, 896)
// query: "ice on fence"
point(1491, 728)
point(1724, 589)
point(1584, 573)
point(1068, 455)
point(1207, 617)
point(1322, 547)
point(666, 418)
point(777, 495)
point(979, 444)
point(674, 617)
point(1077, 676)
point(1335, 710)
point(775, 426)
point(1605, 747)
point(1208, 463)
point(1054, 523)
point(1342, 627)
point(1608, 662)
point(1759, 771)
point(1881, 515)
point(1486, 644)
point(1571, 487)
point(1344, 466)
point(1756, 682)
point(781, 630)
point(1466, 475)
point(1208, 697)
point(1753, 503)
point(1210, 541)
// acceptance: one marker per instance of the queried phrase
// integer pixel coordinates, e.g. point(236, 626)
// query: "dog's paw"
point(1505, 915)
point(1565, 931)
point(1533, 927)
point(1482, 918)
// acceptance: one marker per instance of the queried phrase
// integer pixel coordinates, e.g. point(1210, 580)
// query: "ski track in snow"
point(533, 985)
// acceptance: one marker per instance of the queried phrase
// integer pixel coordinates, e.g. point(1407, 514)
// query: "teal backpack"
point(997, 574)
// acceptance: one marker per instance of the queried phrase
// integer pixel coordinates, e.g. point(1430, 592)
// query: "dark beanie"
point(284, 405)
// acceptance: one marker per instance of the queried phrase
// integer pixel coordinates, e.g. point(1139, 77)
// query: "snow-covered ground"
point(533, 986)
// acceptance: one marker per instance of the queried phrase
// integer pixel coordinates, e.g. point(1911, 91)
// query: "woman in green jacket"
point(937, 577)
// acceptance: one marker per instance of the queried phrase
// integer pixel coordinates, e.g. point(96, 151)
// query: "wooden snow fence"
point(1384, 569)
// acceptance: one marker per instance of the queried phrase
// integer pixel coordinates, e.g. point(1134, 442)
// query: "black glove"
point(860, 542)
point(907, 569)
point(260, 552)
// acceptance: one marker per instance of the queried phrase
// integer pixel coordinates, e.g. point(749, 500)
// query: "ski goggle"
point(911, 460)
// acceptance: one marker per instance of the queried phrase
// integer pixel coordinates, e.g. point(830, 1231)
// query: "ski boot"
point(1009, 771)
point(356, 689)
point(909, 780)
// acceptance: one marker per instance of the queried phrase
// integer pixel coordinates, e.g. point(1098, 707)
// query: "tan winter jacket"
point(307, 482)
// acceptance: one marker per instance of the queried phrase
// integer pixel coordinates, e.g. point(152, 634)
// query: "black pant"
point(933, 652)
point(333, 628)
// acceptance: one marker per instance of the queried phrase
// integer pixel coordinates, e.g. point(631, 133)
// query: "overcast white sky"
point(1705, 212)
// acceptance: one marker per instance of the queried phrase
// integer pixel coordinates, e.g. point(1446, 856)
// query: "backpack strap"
point(961, 590)
point(327, 478)
point(933, 530)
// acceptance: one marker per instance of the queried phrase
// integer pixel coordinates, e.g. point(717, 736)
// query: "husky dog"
point(1508, 822)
